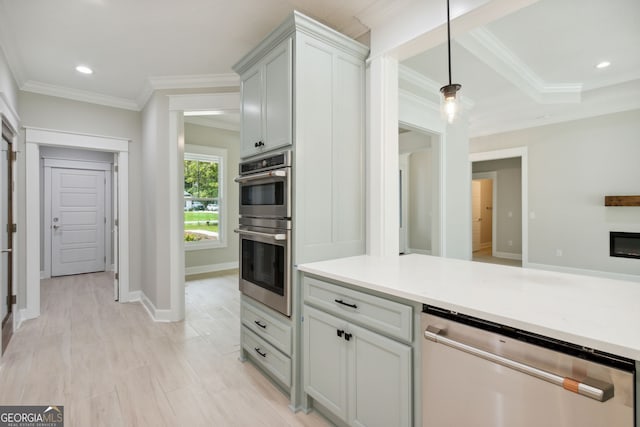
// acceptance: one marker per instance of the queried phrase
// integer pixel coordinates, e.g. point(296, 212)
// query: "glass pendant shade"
point(450, 106)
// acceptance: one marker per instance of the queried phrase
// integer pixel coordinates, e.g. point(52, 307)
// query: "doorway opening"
point(419, 178)
point(38, 141)
point(7, 297)
point(499, 206)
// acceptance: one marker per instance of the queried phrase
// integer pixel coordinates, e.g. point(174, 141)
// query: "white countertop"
point(594, 312)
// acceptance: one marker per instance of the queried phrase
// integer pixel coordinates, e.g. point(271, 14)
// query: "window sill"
point(188, 247)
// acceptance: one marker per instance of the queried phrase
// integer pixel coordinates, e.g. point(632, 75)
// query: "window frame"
point(209, 154)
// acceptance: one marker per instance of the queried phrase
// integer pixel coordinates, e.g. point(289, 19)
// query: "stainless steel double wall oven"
point(265, 230)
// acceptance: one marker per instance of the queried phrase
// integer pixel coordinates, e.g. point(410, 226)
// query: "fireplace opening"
point(625, 245)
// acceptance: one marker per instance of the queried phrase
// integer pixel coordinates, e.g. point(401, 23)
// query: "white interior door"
point(77, 221)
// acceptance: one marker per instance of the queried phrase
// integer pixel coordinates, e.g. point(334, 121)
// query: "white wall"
point(213, 259)
point(572, 166)
point(509, 200)
point(62, 114)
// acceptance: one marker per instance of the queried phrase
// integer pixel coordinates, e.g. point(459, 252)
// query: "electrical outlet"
point(532, 215)
point(510, 214)
point(510, 242)
point(558, 252)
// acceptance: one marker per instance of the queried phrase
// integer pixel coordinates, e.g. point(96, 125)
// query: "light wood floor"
point(485, 255)
point(110, 365)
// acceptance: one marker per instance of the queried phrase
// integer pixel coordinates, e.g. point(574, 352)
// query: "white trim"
point(493, 176)
point(507, 255)
point(585, 272)
point(76, 164)
point(420, 251)
point(227, 102)
point(34, 137)
point(79, 95)
point(156, 314)
point(186, 82)
point(413, 77)
point(135, 296)
point(212, 122)
point(485, 46)
point(7, 110)
point(211, 268)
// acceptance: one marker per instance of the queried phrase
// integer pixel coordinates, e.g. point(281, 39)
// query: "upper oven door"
point(266, 194)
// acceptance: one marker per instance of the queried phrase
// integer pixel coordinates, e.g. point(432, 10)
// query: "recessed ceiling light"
point(84, 69)
point(603, 64)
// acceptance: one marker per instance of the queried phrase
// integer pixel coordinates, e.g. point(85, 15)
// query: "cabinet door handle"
point(259, 352)
point(339, 301)
point(258, 144)
point(348, 336)
point(339, 332)
point(262, 325)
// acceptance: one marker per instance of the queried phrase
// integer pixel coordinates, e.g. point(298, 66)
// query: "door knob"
point(55, 227)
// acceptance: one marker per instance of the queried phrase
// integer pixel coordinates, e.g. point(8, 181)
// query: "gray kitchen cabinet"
point(360, 376)
point(266, 106)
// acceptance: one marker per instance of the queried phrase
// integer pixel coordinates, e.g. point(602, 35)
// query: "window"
point(204, 197)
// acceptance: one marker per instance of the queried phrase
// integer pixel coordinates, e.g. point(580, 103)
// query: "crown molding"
point(193, 81)
point(485, 46)
point(79, 95)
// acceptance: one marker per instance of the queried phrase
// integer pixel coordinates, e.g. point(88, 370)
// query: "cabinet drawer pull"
point(339, 332)
point(262, 325)
point(339, 301)
point(257, 349)
point(348, 336)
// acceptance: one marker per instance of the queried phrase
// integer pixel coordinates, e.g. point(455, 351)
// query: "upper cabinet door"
point(251, 111)
point(278, 96)
point(267, 90)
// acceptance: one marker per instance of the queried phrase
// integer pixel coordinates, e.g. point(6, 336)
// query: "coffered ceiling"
point(538, 65)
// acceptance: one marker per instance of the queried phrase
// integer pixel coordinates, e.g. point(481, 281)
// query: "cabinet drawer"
point(276, 331)
point(388, 317)
point(267, 356)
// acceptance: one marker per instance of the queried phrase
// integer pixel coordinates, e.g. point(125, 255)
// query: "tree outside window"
point(202, 198)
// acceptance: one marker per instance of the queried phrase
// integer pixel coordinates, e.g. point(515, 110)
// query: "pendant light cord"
point(449, 41)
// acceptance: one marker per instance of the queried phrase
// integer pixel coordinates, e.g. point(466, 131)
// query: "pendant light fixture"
point(450, 104)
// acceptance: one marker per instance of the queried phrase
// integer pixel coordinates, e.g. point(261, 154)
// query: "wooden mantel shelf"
point(622, 200)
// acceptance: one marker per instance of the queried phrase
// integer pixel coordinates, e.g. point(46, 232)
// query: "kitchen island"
point(363, 343)
point(594, 312)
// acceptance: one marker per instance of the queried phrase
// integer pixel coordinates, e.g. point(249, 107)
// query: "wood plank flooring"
point(110, 365)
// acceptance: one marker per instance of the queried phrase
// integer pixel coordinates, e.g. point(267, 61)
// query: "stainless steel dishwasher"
point(482, 374)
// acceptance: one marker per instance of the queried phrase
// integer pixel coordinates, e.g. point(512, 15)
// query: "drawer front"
point(389, 317)
point(267, 356)
point(276, 331)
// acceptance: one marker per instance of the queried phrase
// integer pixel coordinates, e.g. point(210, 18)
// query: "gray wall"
point(8, 86)
point(509, 186)
point(229, 140)
point(572, 166)
point(67, 115)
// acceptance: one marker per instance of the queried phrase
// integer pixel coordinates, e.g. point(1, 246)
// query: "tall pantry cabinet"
point(303, 89)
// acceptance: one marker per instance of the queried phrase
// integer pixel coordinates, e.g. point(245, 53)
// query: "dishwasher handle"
point(601, 394)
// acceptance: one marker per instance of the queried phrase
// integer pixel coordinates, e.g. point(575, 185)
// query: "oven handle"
point(599, 394)
point(262, 175)
point(260, 234)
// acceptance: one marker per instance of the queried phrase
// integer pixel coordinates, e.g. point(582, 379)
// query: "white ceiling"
point(532, 67)
point(537, 65)
point(134, 44)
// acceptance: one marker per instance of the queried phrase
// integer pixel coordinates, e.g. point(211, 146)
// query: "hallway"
point(110, 365)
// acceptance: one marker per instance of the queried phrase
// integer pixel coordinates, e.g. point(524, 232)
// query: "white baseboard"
point(156, 314)
point(508, 255)
point(585, 272)
point(211, 268)
point(21, 315)
point(133, 297)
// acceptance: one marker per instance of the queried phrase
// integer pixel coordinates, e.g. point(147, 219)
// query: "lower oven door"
point(265, 266)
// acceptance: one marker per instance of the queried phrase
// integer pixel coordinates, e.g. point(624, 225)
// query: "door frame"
point(51, 163)
point(522, 153)
point(36, 137)
point(493, 176)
